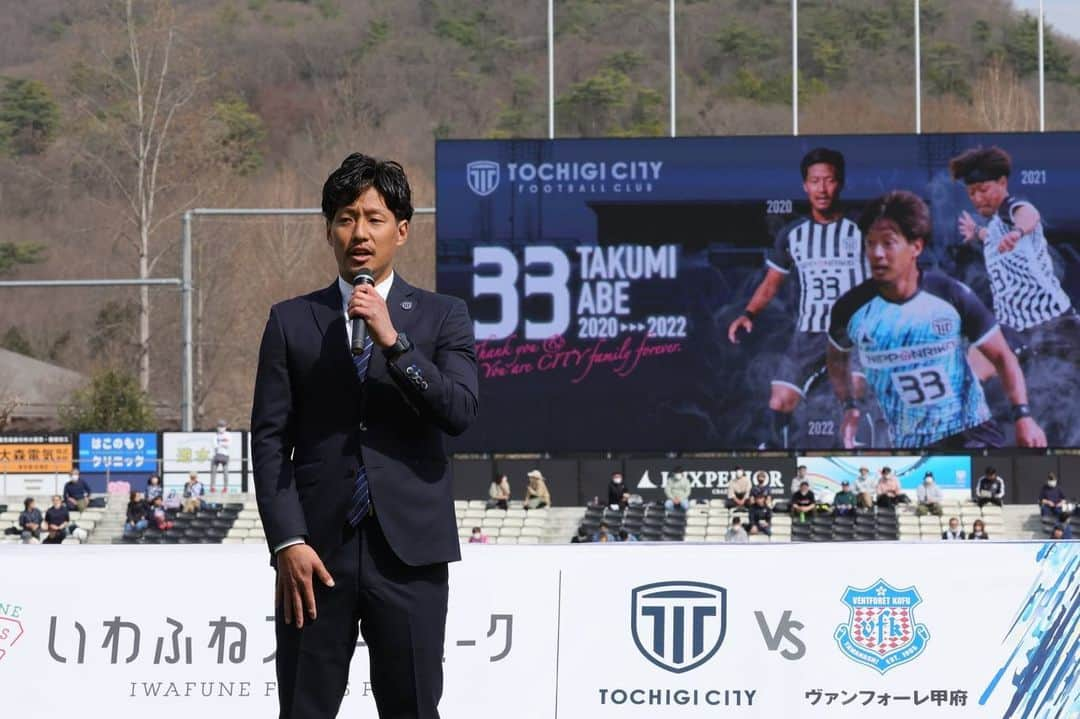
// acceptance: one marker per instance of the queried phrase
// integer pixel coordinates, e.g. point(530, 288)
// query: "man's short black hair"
point(357, 173)
point(829, 157)
point(991, 470)
point(902, 209)
point(980, 164)
point(27, 502)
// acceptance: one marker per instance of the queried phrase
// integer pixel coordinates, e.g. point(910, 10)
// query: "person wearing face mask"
point(618, 496)
point(978, 530)
point(478, 537)
point(76, 492)
point(1052, 499)
point(761, 487)
point(953, 532)
point(929, 497)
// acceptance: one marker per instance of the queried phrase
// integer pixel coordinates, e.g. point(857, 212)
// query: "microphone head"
point(364, 277)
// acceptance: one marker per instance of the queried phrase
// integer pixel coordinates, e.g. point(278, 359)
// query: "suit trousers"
point(401, 613)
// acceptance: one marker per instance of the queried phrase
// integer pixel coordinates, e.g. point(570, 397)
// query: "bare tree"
point(133, 104)
point(1002, 102)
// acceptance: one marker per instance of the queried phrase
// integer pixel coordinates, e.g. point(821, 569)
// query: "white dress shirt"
point(383, 288)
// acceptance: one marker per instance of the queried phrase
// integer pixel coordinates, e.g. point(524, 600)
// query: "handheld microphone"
point(359, 327)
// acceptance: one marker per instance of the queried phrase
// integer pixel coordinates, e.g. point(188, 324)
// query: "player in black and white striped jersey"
point(1037, 315)
point(825, 250)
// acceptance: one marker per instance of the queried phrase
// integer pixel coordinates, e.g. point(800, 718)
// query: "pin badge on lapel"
point(406, 305)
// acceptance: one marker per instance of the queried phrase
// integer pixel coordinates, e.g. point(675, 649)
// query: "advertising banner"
point(118, 452)
point(674, 630)
point(708, 477)
point(186, 452)
point(951, 473)
point(35, 454)
point(609, 283)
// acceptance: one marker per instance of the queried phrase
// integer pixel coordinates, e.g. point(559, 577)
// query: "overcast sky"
point(1064, 15)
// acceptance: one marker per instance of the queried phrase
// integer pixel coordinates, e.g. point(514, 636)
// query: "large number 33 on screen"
point(503, 284)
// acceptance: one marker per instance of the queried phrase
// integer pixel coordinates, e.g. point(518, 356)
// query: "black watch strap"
point(402, 345)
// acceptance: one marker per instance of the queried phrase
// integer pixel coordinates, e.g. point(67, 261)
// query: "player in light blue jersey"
point(912, 329)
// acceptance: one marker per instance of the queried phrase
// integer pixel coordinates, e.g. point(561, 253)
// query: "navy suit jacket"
point(312, 421)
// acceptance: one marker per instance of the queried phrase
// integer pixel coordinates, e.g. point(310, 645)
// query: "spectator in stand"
point(1061, 531)
point(58, 523)
point(865, 488)
point(677, 490)
point(137, 514)
point(738, 491)
point(221, 458)
point(477, 537)
point(499, 492)
point(799, 478)
point(888, 490)
point(761, 486)
point(193, 494)
point(537, 495)
point(76, 492)
point(760, 516)
point(618, 496)
point(603, 534)
point(157, 514)
point(844, 501)
point(978, 530)
point(154, 488)
point(30, 522)
point(953, 532)
point(803, 502)
point(736, 534)
point(625, 536)
point(1052, 502)
point(929, 497)
point(990, 489)
point(582, 536)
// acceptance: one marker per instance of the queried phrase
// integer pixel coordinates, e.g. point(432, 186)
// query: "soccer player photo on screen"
point(1037, 316)
point(911, 329)
point(825, 250)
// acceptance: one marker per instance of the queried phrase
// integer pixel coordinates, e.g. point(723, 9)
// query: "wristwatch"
point(401, 345)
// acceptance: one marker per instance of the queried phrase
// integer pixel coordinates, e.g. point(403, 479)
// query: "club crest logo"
point(10, 631)
point(852, 244)
point(482, 176)
point(881, 631)
point(678, 626)
point(943, 326)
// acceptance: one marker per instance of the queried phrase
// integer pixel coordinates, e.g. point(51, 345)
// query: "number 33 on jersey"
point(914, 354)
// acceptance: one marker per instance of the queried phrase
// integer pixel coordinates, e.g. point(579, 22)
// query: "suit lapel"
point(330, 319)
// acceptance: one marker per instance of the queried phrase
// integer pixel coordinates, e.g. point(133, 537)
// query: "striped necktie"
point(360, 504)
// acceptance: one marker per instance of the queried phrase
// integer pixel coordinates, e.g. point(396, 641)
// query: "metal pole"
point(1042, 72)
point(187, 371)
point(918, 70)
point(671, 42)
point(149, 282)
point(551, 69)
point(794, 67)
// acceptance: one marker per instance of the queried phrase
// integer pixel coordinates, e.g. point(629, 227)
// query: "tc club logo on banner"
point(881, 631)
point(482, 176)
point(678, 626)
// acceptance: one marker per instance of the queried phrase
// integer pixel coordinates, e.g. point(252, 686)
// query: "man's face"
point(56, 501)
point(33, 505)
point(75, 476)
point(822, 186)
point(890, 255)
point(987, 196)
point(953, 526)
point(366, 234)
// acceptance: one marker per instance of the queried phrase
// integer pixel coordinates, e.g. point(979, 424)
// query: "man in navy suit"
point(350, 473)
